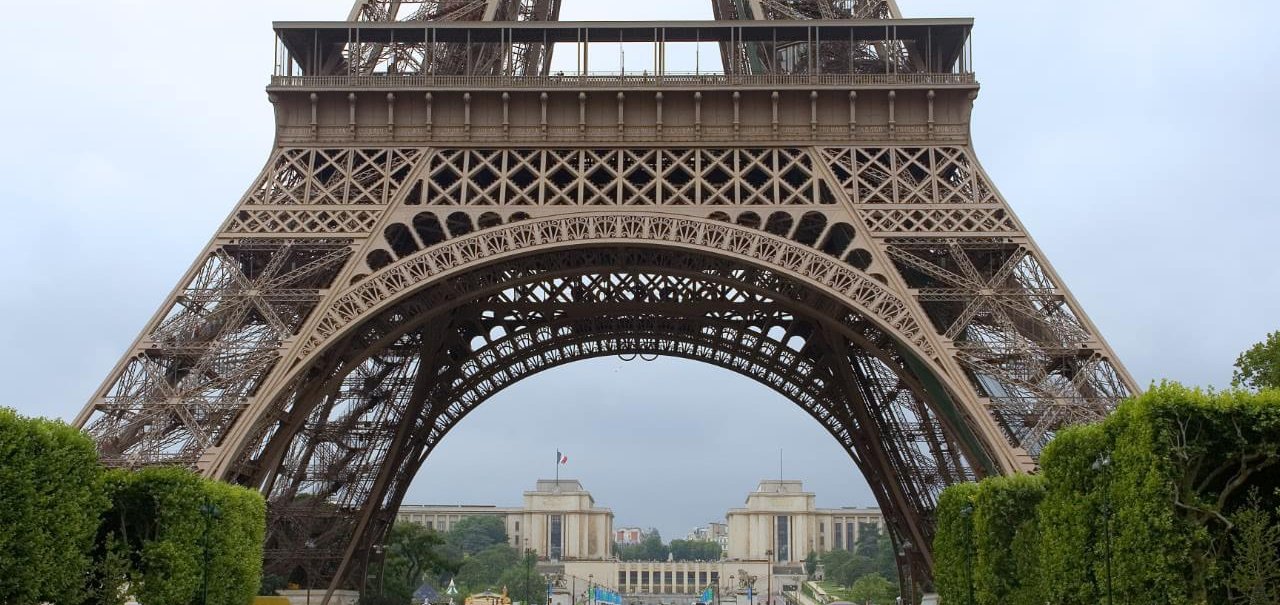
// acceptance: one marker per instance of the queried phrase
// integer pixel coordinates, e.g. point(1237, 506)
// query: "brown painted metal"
point(439, 220)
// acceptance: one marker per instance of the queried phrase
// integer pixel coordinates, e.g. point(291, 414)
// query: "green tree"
point(413, 556)
point(873, 588)
point(650, 548)
point(523, 582)
point(471, 535)
point(811, 563)
point(1254, 578)
point(50, 500)
point(1259, 367)
point(484, 570)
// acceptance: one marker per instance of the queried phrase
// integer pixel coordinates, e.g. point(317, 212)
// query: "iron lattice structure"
point(441, 217)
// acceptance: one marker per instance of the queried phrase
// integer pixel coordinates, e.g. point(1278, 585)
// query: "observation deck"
point(469, 80)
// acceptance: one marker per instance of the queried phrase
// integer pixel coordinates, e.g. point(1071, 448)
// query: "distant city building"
point(712, 532)
point(628, 535)
point(559, 520)
point(781, 517)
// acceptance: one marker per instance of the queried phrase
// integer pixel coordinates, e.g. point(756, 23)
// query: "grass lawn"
point(835, 590)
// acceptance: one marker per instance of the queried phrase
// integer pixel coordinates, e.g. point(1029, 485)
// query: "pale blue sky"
point(1133, 138)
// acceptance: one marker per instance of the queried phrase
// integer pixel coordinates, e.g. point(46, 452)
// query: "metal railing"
point(628, 134)
point(397, 81)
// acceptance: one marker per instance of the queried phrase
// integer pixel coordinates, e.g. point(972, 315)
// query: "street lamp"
point(967, 513)
point(381, 551)
point(905, 553)
point(210, 512)
point(768, 597)
point(1101, 466)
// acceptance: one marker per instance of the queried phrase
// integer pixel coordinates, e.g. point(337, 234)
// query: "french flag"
point(561, 458)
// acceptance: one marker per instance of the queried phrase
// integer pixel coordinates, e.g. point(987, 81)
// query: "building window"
point(633, 581)
point(666, 577)
point(517, 526)
point(622, 579)
point(702, 578)
point(715, 577)
point(556, 537)
point(782, 543)
point(644, 577)
point(839, 536)
point(850, 542)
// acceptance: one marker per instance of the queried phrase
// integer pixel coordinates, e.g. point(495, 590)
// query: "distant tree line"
point(652, 548)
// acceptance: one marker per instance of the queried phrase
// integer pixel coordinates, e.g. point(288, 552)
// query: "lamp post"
point(381, 551)
point(210, 512)
point(768, 596)
point(1102, 466)
point(967, 513)
point(905, 553)
point(528, 572)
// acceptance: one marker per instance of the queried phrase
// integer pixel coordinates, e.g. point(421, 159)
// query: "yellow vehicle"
point(488, 598)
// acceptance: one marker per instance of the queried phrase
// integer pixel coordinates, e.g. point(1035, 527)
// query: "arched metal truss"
point(365, 416)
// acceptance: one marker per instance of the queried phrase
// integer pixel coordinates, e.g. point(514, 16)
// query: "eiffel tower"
point(442, 215)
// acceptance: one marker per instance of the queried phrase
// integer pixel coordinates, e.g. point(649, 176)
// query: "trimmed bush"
point(235, 545)
point(161, 522)
point(1007, 539)
point(50, 501)
point(1184, 461)
point(953, 553)
point(1071, 557)
point(1140, 506)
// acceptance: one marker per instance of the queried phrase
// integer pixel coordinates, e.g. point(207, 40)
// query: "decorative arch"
point(848, 352)
point(861, 290)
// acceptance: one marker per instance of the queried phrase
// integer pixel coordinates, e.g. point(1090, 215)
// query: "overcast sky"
point(1133, 138)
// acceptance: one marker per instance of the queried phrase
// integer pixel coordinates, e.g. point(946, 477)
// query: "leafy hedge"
point(50, 500)
point(72, 532)
point(953, 553)
point(1007, 539)
point(1071, 554)
point(162, 518)
point(1164, 474)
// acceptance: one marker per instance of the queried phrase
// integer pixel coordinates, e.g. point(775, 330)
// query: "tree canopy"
point(471, 535)
point(1259, 367)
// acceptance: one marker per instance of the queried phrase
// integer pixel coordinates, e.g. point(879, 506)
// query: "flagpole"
point(558, 467)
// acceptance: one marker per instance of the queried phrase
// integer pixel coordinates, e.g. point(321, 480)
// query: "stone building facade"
point(559, 520)
point(781, 522)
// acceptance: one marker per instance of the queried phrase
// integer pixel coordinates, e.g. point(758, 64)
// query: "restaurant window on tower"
point(781, 547)
point(556, 537)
